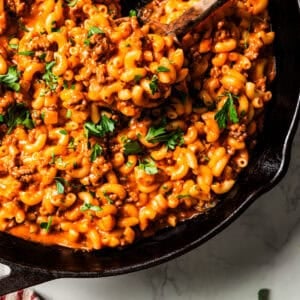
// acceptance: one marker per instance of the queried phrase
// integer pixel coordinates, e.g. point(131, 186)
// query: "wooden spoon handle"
point(193, 16)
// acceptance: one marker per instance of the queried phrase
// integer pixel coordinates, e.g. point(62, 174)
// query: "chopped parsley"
point(106, 125)
point(17, 114)
point(71, 3)
point(137, 78)
point(96, 151)
point(47, 225)
point(227, 112)
point(162, 69)
point(11, 78)
point(132, 13)
point(60, 184)
point(148, 166)
point(22, 26)
point(87, 42)
point(68, 114)
point(154, 84)
point(171, 138)
point(88, 206)
point(71, 144)
point(94, 30)
point(26, 53)
point(264, 294)
point(63, 131)
point(106, 196)
point(132, 147)
point(42, 56)
point(49, 77)
point(182, 196)
point(14, 46)
point(128, 164)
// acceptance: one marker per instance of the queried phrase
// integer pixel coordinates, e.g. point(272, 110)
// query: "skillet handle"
point(14, 278)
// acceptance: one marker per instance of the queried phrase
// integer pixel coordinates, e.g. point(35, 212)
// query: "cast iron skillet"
point(31, 263)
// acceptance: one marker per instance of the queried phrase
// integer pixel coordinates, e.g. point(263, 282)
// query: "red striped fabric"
point(26, 294)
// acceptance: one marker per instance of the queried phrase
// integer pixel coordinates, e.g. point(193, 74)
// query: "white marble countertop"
point(259, 250)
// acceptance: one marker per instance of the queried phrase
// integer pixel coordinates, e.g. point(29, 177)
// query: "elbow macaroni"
point(79, 166)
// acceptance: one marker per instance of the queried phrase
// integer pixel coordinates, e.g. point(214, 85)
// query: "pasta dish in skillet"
point(109, 131)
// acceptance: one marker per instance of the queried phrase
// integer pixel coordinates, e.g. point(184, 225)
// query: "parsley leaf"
point(13, 46)
point(154, 84)
point(22, 26)
point(171, 138)
point(148, 166)
point(49, 77)
point(87, 42)
point(106, 125)
point(88, 206)
point(63, 131)
point(68, 114)
point(60, 184)
point(264, 294)
point(26, 53)
point(47, 225)
point(182, 196)
point(11, 79)
point(71, 3)
point(132, 147)
point(132, 13)
point(94, 30)
point(109, 200)
point(162, 69)
point(137, 78)
point(227, 112)
point(17, 114)
point(96, 151)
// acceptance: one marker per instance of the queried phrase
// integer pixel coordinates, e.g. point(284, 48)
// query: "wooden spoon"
point(196, 14)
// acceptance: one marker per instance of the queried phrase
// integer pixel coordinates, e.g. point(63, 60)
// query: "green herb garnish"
point(49, 77)
point(132, 13)
point(182, 196)
point(154, 84)
point(137, 78)
point(128, 164)
point(71, 144)
point(264, 294)
point(87, 42)
point(96, 151)
point(17, 114)
point(94, 30)
point(148, 166)
point(88, 206)
point(11, 78)
point(227, 112)
point(60, 184)
point(162, 69)
point(14, 46)
point(171, 138)
point(68, 114)
point(22, 26)
point(47, 225)
point(132, 147)
point(63, 131)
point(26, 53)
point(106, 125)
point(106, 196)
point(71, 3)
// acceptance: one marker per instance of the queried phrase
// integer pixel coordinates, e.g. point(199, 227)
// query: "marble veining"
point(261, 249)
